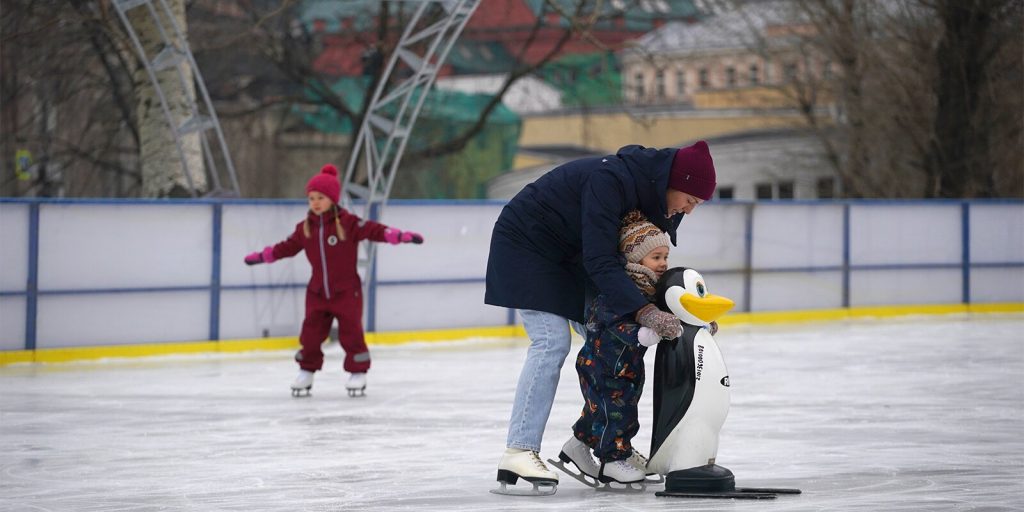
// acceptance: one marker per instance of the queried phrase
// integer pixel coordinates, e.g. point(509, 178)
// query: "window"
point(680, 83)
point(730, 76)
point(703, 74)
point(725, 193)
point(826, 187)
point(638, 85)
point(789, 72)
point(659, 84)
point(763, 190)
point(755, 74)
point(786, 190)
point(826, 70)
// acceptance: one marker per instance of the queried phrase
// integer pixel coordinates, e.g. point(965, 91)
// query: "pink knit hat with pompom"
point(326, 182)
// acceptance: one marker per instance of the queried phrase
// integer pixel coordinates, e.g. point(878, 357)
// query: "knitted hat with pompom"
point(326, 182)
point(638, 236)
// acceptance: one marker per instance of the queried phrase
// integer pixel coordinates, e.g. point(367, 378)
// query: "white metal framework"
point(175, 53)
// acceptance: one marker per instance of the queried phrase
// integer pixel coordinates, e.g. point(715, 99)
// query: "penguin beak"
point(709, 308)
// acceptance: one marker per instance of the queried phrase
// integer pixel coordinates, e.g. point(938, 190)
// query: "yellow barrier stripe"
point(59, 355)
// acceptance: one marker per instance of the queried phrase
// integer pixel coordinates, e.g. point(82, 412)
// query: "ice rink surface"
point(869, 415)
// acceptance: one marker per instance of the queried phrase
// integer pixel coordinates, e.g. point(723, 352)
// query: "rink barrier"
point(73, 354)
point(768, 256)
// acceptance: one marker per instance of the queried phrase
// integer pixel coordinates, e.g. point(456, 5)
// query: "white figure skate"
point(525, 464)
point(356, 384)
point(621, 472)
point(640, 462)
point(577, 453)
point(302, 384)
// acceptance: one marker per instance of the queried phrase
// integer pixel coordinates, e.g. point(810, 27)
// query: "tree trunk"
point(163, 172)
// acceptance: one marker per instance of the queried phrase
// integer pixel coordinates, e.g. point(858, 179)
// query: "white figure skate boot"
point(621, 472)
point(640, 462)
point(303, 383)
point(525, 464)
point(577, 453)
point(356, 384)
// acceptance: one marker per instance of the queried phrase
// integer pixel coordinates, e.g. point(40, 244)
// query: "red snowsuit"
point(334, 290)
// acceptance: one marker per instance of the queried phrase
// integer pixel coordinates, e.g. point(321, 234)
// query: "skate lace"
point(639, 458)
point(537, 462)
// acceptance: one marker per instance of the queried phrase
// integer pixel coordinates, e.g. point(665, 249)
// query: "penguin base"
point(713, 481)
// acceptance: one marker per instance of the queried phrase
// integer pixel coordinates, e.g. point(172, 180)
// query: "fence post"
point(32, 283)
point(215, 273)
point(965, 240)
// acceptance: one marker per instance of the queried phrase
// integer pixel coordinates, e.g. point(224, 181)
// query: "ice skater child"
point(611, 366)
point(330, 236)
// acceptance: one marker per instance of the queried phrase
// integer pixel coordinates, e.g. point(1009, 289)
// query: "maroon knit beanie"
point(326, 182)
point(693, 171)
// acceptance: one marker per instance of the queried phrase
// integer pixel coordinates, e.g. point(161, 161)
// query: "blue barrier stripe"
point(965, 241)
point(32, 284)
point(482, 280)
point(846, 256)
point(218, 214)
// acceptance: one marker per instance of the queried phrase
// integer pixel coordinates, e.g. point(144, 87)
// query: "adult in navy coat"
point(557, 239)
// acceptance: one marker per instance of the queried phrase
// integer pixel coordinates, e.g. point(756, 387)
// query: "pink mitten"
point(395, 236)
point(264, 256)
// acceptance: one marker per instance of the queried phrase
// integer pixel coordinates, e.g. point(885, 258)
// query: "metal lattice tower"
point(378, 146)
point(418, 56)
point(175, 53)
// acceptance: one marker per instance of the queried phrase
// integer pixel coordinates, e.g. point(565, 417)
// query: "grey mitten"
point(664, 324)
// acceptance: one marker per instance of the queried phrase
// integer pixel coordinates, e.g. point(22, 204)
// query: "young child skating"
point(611, 366)
point(330, 237)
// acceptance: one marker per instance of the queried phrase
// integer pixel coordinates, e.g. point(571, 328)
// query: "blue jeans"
point(550, 341)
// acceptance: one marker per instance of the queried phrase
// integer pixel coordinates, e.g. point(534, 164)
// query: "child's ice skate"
point(640, 462)
point(525, 464)
point(621, 472)
point(577, 453)
point(303, 383)
point(356, 384)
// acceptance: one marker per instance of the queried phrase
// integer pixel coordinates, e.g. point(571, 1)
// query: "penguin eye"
point(701, 291)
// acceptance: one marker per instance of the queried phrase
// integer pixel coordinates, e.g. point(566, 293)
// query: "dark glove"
point(395, 236)
point(713, 328)
point(664, 324)
point(264, 256)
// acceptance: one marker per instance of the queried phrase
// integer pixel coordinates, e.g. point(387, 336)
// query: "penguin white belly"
point(694, 440)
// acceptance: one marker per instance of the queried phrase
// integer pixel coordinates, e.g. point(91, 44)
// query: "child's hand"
point(395, 236)
point(664, 324)
point(647, 337)
point(713, 328)
point(264, 256)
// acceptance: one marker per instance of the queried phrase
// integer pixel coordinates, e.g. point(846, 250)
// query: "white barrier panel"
point(14, 225)
point(246, 314)
point(12, 323)
point(246, 228)
point(914, 233)
point(789, 291)
point(797, 236)
point(122, 318)
point(905, 286)
point(997, 233)
point(712, 238)
point(457, 242)
point(997, 285)
point(89, 246)
point(435, 306)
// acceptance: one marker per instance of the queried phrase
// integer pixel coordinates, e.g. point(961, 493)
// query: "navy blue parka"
point(559, 236)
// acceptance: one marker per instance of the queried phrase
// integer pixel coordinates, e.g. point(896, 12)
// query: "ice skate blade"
point(301, 392)
point(581, 476)
point(357, 393)
point(541, 488)
point(630, 488)
point(654, 479)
